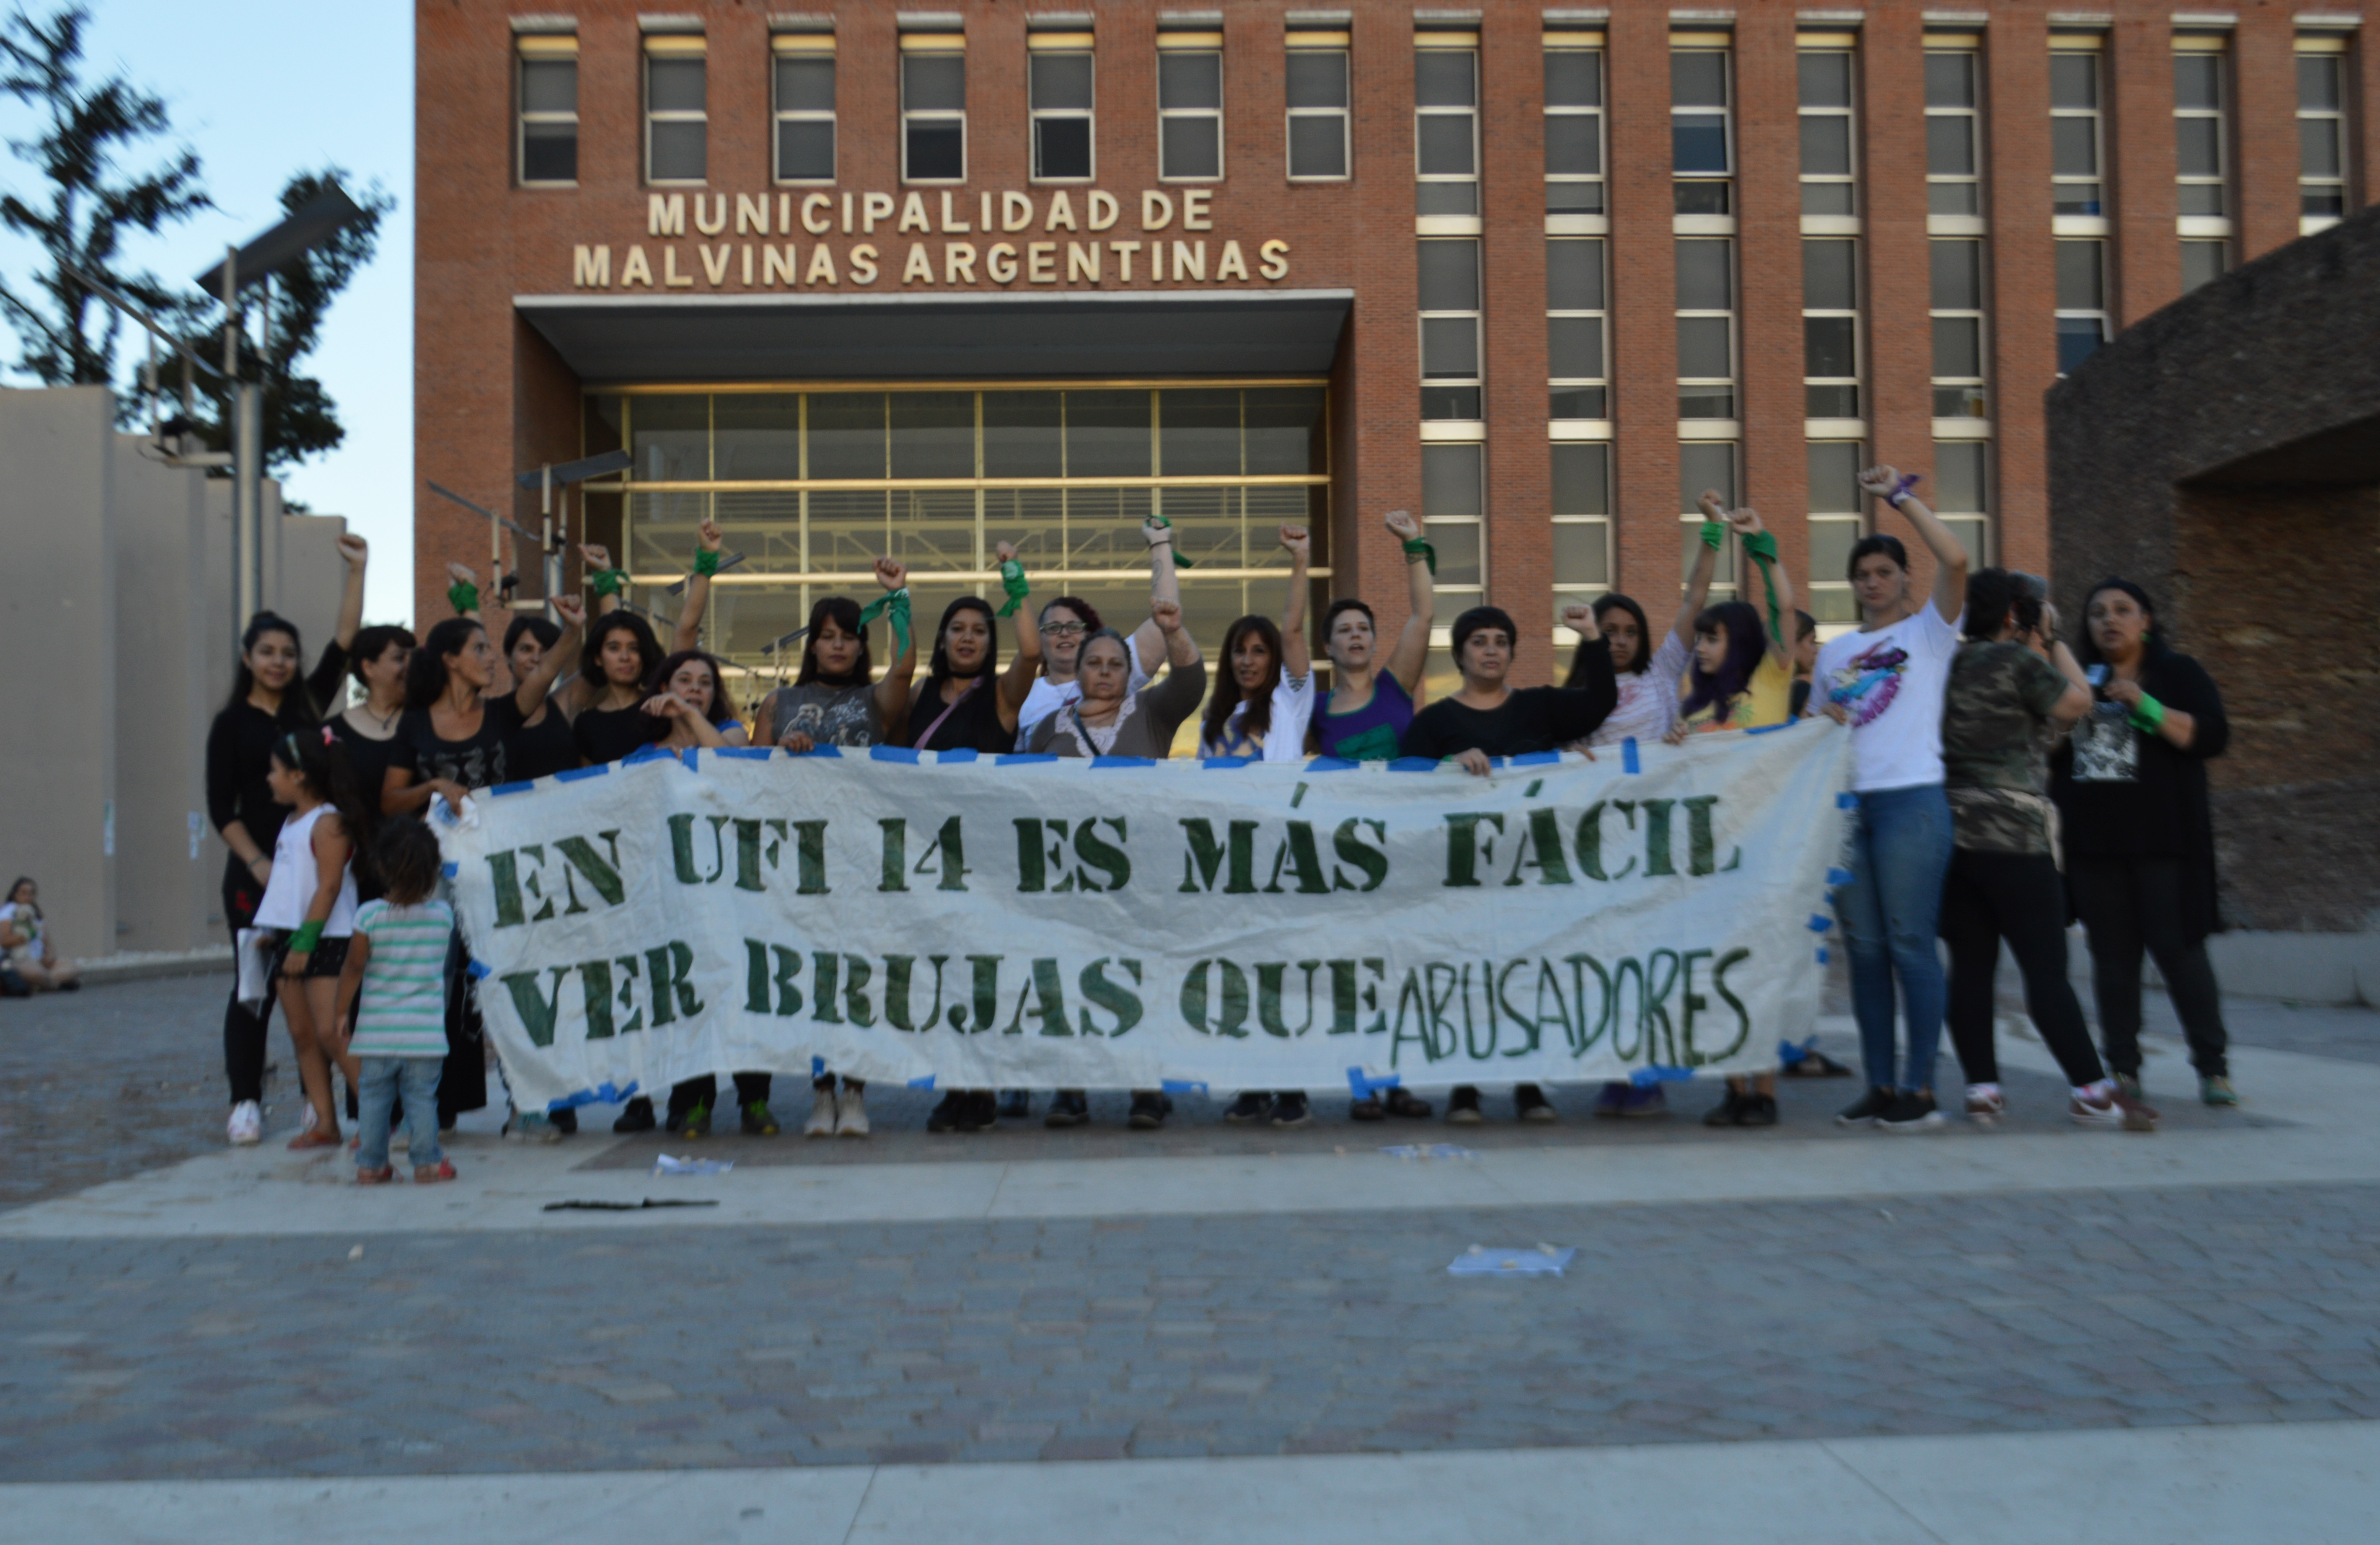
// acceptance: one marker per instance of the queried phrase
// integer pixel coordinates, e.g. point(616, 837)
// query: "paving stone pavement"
point(1123, 1337)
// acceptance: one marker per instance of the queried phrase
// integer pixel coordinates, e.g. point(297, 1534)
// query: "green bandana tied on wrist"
point(2147, 715)
point(1714, 533)
point(1011, 579)
point(1164, 525)
point(897, 603)
point(1761, 548)
point(706, 561)
point(307, 935)
point(607, 582)
point(1419, 548)
point(463, 598)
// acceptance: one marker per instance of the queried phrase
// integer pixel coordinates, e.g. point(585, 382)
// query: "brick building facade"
point(868, 279)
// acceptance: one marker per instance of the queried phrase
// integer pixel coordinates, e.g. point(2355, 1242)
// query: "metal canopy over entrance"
point(621, 339)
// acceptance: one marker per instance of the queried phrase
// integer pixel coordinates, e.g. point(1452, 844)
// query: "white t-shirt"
point(1292, 709)
point(1048, 696)
point(1892, 681)
point(29, 922)
point(1648, 698)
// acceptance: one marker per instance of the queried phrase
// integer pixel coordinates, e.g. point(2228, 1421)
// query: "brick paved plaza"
point(1970, 1336)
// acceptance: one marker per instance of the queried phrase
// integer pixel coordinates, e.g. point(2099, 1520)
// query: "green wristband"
point(1420, 548)
point(706, 561)
point(307, 935)
point(1011, 579)
point(1714, 533)
point(2147, 715)
point(897, 603)
point(464, 597)
point(607, 582)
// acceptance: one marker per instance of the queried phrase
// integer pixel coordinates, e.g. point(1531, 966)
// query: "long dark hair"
point(591, 656)
point(2152, 642)
point(373, 642)
point(316, 756)
point(721, 711)
point(1644, 660)
point(1746, 643)
point(1992, 594)
point(297, 706)
point(845, 613)
point(1227, 694)
point(19, 883)
point(425, 673)
point(940, 670)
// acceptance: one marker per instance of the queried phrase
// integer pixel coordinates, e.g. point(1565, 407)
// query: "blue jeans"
point(383, 1078)
point(1901, 853)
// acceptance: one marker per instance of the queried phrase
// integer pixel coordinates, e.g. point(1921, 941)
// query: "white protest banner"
point(1017, 922)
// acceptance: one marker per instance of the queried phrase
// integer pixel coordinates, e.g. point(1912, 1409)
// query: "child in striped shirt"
point(397, 962)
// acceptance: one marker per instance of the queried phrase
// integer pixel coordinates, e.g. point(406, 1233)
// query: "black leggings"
point(2016, 897)
point(2128, 905)
point(244, 1031)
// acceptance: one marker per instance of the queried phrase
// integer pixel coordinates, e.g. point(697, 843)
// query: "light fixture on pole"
point(549, 478)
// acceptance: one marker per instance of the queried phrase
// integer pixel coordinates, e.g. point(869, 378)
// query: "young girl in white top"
point(310, 900)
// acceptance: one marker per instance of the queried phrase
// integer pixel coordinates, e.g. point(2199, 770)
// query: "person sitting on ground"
point(31, 954)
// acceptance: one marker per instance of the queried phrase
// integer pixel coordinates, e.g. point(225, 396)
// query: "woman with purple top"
point(1371, 703)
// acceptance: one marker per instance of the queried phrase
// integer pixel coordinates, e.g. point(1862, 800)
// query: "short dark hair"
point(1803, 624)
point(590, 654)
point(545, 633)
point(721, 710)
point(407, 857)
point(372, 643)
point(1480, 617)
point(1331, 617)
point(1992, 594)
point(2154, 643)
point(1889, 546)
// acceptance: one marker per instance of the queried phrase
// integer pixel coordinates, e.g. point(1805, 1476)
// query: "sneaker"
point(1863, 1111)
point(1611, 1098)
point(1986, 1106)
point(758, 1120)
point(945, 1116)
point(565, 1122)
point(637, 1118)
point(1016, 1105)
point(693, 1122)
point(2129, 1085)
point(1290, 1109)
point(246, 1128)
point(1911, 1112)
point(2107, 1105)
point(1462, 1106)
point(1724, 1113)
point(1068, 1108)
point(1252, 1105)
point(851, 1113)
point(1148, 1112)
point(2216, 1092)
point(1757, 1110)
point(1529, 1104)
point(822, 1121)
point(531, 1127)
point(981, 1112)
point(1651, 1100)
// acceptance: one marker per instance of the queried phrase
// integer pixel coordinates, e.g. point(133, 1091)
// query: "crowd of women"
point(2004, 780)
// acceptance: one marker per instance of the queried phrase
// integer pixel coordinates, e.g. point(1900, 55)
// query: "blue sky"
point(262, 88)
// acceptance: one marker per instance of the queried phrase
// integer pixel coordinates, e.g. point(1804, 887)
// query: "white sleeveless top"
point(291, 889)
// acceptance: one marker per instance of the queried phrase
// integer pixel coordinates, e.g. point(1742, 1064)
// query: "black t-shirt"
point(971, 724)
point(2127, 793)
point(542, 749)
point(478, 763)
point(368, 759)
point(239, 752)
point(1532, 719)
point(608, 734)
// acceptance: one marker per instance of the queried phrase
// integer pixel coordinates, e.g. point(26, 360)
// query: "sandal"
point(430, 1175)
point(1405, 1103)
point(380, 1176)
point(315, 1139)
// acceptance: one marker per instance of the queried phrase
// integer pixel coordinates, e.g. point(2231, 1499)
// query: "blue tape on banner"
point(892, 754)
point(1847, 800)
point(689, 757)
point(644, 753)
point(1819, 925)
point(817, 1067)
point(1332, 764)
point(522, 788)
point(1537, 759)
point(1182, 1086)
point(747, 752)
point(926, 1083)
point(1225, 761)
point(1012, 758)
point(1363, 1088)
point(1788, 1054)
point(1629, 760)
point(1414, 764)
point(1769, 729)
point(575, 774)
point(1839, 876)
point(449, 869)
point(602, 1094)
point(1101, 764)
point(964, 754)
point(1645, 1078)
point(1823, 956)
point(478, 972)
point(835, 752)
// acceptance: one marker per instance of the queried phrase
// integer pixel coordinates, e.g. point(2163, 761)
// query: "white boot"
point(851, 1116)
point(822, 1121)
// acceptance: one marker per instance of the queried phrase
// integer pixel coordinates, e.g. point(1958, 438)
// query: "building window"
point(933, 108)
point(1827, 132)
point(1953, 132)
point(1450, 328)
point(676, 122)
point(1573, 130)
point(2321, 132)
point(1577, 308)
point(1707, 465)
point(1581, 526)
point(1189, 106)
point(2081, 301)
point(1062, 106)
point(1962, 495)
point(1446, 124)
point(549, 110)
point(1957, 304)
point(1702, 142)
point(2200, 159)
point(1454, 506)
point(1317, 107)
point(1706, 327)
point(1835, 524)
point(1830, 353)
point(805, 109)
point(2074, 137)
